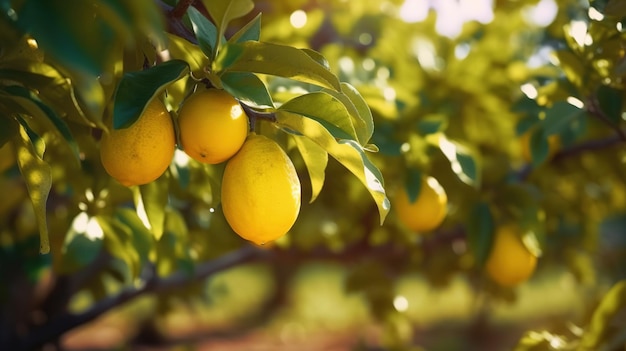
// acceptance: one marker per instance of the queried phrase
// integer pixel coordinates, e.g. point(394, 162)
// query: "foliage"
point(389, 100)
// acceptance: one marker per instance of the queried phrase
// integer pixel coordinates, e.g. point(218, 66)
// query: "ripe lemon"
point(509, 263)
point(429, 209)
point(140, 153)
point(213, 126)
point(260, 191)
point(554, 144)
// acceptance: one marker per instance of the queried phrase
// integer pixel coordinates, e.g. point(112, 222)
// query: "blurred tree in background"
point(509, 114)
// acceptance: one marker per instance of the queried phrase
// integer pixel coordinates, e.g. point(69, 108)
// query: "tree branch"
point(181, 8)
point(56, 327)
point(175, 23)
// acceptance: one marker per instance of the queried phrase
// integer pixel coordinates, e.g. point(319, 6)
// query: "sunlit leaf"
point(224, 11)
point(140, 237)
point(37, 109)
point(480, 229)
point(325, 109)
point(347, 152)
point(571, 66)
point(248, 88)
point(465, 162)
point(605, 328)
point(83, 242)
point(360, 114)
point(283, 61)
point(151, 200)
point(136, 89)
point(251, 31)
point(37, 175)
point(182, 49)
point(316, 159)
point(205, 31)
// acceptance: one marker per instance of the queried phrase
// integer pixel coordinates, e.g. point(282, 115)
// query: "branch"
point(253, 115)
point(181, 8)
point(56, 327)
point(175, 24)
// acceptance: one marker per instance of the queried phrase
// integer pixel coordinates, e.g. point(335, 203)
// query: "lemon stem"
point(253, 115)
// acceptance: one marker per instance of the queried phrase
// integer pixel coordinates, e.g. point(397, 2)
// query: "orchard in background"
point(202, 160)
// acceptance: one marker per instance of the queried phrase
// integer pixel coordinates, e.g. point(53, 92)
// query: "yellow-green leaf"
point(316, 159)
point(38, 180)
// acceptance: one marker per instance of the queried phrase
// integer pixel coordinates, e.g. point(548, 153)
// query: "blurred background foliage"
point(516, 107)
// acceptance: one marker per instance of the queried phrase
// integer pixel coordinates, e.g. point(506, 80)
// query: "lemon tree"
point(146, 146)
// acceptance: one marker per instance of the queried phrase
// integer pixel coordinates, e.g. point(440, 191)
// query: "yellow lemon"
point(213, 126)
point(510, 262)
point(428, 211)
point(260, 191)
point(140, 153)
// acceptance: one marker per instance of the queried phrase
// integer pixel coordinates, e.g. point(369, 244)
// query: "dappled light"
point(340, 175)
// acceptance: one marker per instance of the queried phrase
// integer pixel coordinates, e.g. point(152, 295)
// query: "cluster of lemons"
point(261, 191)
point(509, 263)
point(260, 188)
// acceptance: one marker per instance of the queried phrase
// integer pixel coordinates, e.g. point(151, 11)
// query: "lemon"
point(213, 126)
point(510, 262)
point(260, 191)
point(428, 211)
point(140, 153)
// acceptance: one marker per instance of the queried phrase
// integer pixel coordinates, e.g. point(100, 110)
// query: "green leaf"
point(182, 49)
point(205, 32)
point(224, 11)
point(413, 183)
point(37, 175)
point(136, 89)
point(283, 61)
point(251, 31)
point(151, 200)
point(248, 88)
point(480, 227)
point(83, 242)
point(316, 159)
point(360, 113)
point(319, 58)
point(325, 109)
point(349, 153)
point(432, 124)
point(560, 116)
point(464, 161)
point(37, 109)
point(605, 327)
point(539, 147)
point(611, 102)
point(141, 239)
point(571, 66)
point(8, 130)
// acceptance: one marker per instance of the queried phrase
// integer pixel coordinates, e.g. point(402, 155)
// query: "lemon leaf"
point(205, 32)
point(139, 237)
point(464, 161)
point(251, 31)
point(224, 11)
point(364, 122)
point(37, 109)
point(248, 88)
point(316, 159)
point(182, 49)
point(279, 60)
point(83, 243)
point(151, 201)
point(326, 109)
point(413, 184)
point(348, 152)
point(480, 228)
point(559, 116)
point(37, 175)
point(539, 147)
point(136, 89)
point(605, 320)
